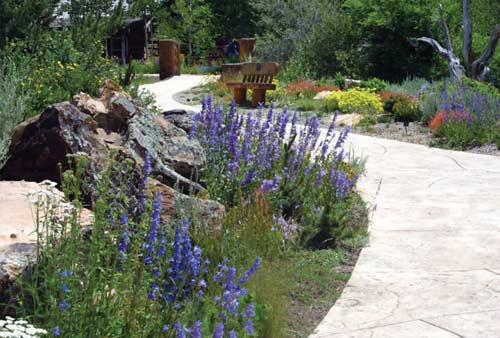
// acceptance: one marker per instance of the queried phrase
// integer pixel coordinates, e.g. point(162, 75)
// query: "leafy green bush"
point(146, 67)
point(356, 100)
point(374, 83)
point(406, 110)
point(56, 70)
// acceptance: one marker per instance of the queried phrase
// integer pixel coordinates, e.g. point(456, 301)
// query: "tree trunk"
point(477, 69)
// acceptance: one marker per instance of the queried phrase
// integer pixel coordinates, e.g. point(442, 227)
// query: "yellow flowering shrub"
point(356, 100)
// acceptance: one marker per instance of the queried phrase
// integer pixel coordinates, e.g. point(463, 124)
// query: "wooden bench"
point(259, 78)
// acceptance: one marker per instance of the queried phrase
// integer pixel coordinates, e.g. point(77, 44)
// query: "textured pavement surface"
point(165, 90)
point(432, 265)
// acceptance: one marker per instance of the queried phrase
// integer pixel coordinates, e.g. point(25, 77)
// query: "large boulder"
point(42, 143)
point(95, 128)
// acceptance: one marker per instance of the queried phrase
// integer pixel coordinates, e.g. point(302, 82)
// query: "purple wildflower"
point(219, 330)
point(181, 331)
point(248, 325)
point(63, 305)
point(250, 271)
point(56, 332)
point(270, 185)
point(196, 330)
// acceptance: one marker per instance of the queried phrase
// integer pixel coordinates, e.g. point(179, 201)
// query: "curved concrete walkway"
point(165, 90)
point(432, 266)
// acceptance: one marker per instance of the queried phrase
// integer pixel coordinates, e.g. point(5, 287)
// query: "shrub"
point(56, 70)
point(429, 104)
point(13, 102)
point(146, 67)
point(411, 87)
point(249, 152)
point(356, 100)
point(389, 98)
point(374, 83)
point(406, 110)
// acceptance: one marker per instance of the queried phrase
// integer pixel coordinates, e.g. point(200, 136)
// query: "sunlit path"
point(431, 268)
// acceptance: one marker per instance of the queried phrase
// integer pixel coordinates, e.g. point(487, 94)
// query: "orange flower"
point(438, 120)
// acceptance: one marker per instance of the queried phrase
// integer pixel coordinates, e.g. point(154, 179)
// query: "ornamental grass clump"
point(305, 175)
point(130, 274)
point(469, 115)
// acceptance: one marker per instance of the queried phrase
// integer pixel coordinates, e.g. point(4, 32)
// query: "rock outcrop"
point(96, 127)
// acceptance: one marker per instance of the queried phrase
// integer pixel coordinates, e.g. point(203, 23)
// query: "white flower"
point(48, 184)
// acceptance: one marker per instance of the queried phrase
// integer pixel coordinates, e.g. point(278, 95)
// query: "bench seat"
point(236, 84)
point(259, 78)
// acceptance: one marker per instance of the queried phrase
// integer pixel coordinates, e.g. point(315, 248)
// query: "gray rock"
point(180, 118)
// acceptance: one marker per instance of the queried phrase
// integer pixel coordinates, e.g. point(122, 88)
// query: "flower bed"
point(286, 189)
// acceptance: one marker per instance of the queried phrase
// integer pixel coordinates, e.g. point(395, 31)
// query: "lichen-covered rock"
point(180, 118)
point(94, 126)
point(169, 146)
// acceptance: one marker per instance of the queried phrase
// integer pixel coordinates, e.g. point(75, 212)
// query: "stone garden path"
point(431, 268)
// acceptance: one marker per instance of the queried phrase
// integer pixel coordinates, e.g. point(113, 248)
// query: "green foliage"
point(190, 22)
point(374, 83)
point(92, 20)
point(145, 67)
point(13, 102)
point(24, 19)
point(356, 100)
point(105, 285)
point(382, 30)
point(57, 70)
point(406, 110)
point(312, 42)
point(468, 116)
point(235, 19)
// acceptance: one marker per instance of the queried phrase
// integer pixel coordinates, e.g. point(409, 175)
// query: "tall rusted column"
point(246, 48)
point(170, 58)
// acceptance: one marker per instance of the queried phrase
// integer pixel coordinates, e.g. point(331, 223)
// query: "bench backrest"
point(259, 72)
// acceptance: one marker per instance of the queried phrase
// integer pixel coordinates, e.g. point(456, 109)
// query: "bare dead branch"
point(480, 66)
point(444, 25)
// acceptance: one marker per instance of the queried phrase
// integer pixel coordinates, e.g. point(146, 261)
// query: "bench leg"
point(240, 95)
point(258, 96)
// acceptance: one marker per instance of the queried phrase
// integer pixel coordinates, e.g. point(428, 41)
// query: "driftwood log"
point(476, 69)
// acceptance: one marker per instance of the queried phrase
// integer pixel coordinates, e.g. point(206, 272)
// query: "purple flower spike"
point(219, 330)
